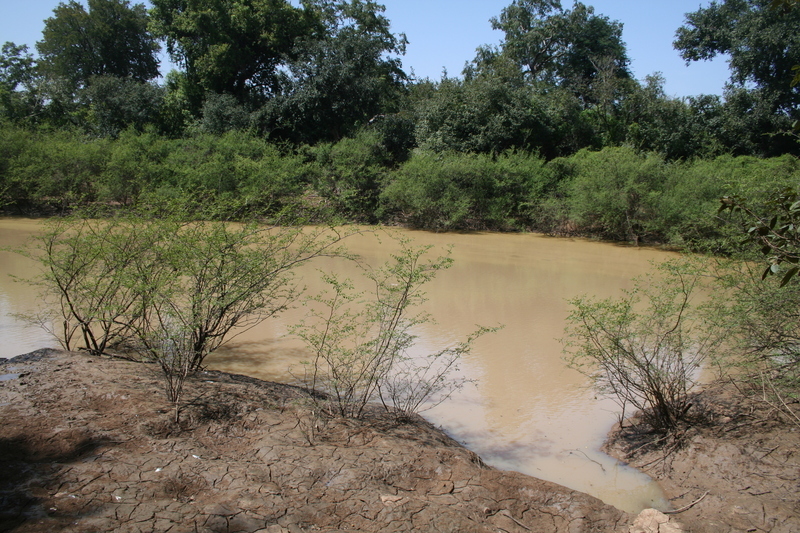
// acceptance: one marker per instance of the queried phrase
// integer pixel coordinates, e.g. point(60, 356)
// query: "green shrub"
point(465, 191)
point(615, 193)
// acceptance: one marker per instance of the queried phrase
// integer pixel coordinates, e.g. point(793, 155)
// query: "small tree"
point(171, 348)
point(232, 277)
point(173, 291)
point(361, 347)
point(645, 348)
point(88, 278)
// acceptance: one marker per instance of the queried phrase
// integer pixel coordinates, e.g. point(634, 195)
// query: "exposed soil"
point(88, 444)
point(737, 465)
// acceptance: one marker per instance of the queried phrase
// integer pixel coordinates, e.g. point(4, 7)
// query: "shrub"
point(645, 348)
point(614, 192)
point(461, 191)
point(361, 348)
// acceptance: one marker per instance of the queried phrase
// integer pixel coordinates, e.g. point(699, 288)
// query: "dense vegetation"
point(615, 193)
point(278, 108)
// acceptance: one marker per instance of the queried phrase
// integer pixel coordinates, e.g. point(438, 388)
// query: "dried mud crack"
point(87, 444)
point(736, 469)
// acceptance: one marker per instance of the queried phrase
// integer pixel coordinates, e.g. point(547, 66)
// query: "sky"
point(443, 35)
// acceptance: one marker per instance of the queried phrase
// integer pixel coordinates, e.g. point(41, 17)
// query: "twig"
point(592, 460)
point(687, 507)
point(769, 452)
point(648, 443)
point(507, 514)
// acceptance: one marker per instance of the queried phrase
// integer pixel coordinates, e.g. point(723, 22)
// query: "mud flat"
point(735, 469)
point(87, 444)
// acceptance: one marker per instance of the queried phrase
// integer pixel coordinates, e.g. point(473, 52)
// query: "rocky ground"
point(736, 468)
point(88, 444)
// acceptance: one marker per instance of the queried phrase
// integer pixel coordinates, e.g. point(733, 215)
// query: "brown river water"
point(527, 411)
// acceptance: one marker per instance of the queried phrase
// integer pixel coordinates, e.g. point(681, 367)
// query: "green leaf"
point(789, 275)
point(773, 222)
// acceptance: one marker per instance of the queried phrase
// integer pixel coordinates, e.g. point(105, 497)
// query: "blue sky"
point(444, 34)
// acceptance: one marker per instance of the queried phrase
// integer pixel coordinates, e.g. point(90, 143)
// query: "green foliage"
point(115, 104)
point(773, 228)
point(17, 70)
point(136, 164)
point(351, 174)
point(762, 42)
point(56, 169)
point(90, 280)
point(761, 316)
point(231, 46)
point(568, 48)
point(677, 129)
point(131, 283)
point(645, 348)
point(338, 81)
point(222, 113)
point(361, 347)
point(452, 191)
point(110, 39)
point(615, 192)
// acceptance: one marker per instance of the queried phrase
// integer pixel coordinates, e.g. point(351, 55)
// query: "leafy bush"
point(457, 191)
point(615, 192)
point(360, 348)
point(351, 173)
point(125, 281)
point(645, 348)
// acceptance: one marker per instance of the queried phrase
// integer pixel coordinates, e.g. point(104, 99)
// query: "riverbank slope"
point(736, 469)
point(87, 444)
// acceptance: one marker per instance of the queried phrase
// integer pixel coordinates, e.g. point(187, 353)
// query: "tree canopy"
point(110, 39)
point(232, 46)
point(573, 48)
point(762, 42)
point(341, 79)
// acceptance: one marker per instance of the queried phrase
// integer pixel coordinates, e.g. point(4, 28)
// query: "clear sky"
point(444, 34)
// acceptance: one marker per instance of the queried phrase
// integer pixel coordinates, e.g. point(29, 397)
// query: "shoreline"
point(734, 469)
point(91, 447)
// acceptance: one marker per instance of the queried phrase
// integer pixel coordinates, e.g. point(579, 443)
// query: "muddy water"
point(527, 411)
point(15, 297)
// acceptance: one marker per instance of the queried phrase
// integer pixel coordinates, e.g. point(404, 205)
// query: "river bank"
point(736, 468)
point(87, 444)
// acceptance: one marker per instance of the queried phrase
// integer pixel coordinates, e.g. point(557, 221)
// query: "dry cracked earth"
point(87, 444)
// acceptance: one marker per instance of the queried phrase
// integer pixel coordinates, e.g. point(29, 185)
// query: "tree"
point(231, 46)
point(340, 79)
point(113, 104)
point(676, 128)
point(133, 283)
point(573, 48)
point(17, 70)
point(110, 39)
point(762, 42)
point(87, 280)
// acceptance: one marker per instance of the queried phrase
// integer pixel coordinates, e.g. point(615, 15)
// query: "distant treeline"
point(615, 193)
point(305, 111)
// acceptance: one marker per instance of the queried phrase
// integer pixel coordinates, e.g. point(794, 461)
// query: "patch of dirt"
point(87, 444)
point(736, 467)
